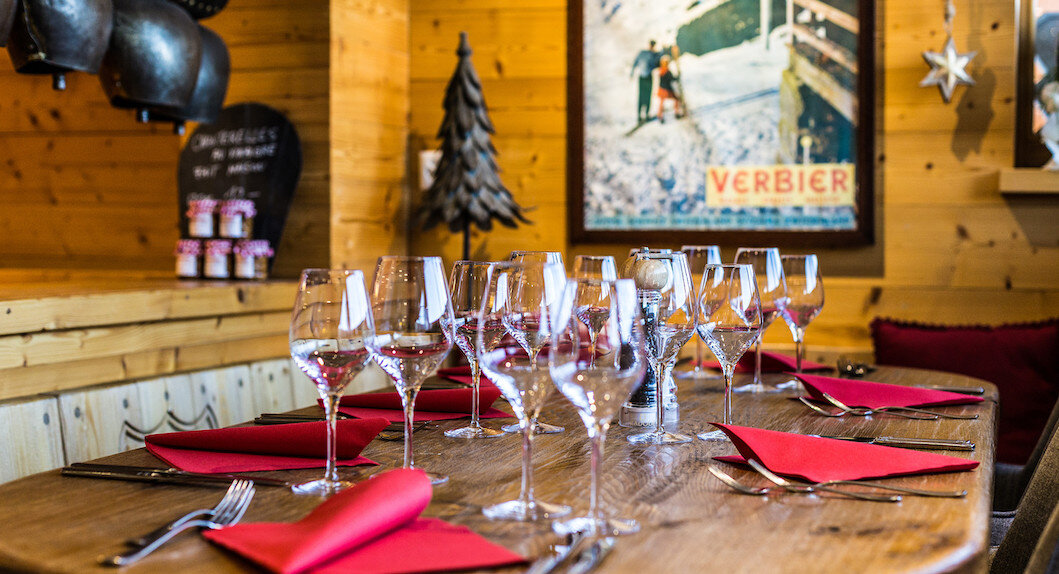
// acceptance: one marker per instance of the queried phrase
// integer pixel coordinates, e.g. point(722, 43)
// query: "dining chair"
point(1031, 523)
point(1045, 557)
point(1010, 480)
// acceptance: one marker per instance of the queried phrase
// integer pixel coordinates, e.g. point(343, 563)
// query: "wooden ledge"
point(61, 333)
point(1023, 180)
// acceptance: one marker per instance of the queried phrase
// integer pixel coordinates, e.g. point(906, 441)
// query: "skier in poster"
point(642, 67)
point(668, 89)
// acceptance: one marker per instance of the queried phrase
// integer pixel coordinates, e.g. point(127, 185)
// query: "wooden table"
point(691, 522)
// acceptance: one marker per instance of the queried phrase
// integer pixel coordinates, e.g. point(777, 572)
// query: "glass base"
point(658, 436)
point(541, 428)
point(701, 374)
point(756, 388)
point(320, 487)
point(435, 478)
point(596, 527)
point(474, 432)
point(712, 436)
point(525, 512)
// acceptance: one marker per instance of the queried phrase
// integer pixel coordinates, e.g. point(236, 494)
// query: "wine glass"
point(330, 324)
point(558, 274)
point(598, 388)
point(772, 288)
point(530, 293)
point(699, 256)
point(729, 322)
point(667, 303)
point(601, 268)
point(413, 329)
point(805, 298)
point(474, 291)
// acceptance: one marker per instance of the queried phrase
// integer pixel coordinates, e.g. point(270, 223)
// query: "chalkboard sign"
point(250, 152)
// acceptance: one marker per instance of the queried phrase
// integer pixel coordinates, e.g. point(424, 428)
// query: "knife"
point(166, 475)
point(918, 443)
point(961, 390)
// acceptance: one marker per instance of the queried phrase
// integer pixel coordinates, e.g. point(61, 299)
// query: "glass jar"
point(218, 254)
point(251, 259)
point(200, 217)
point(187, 254)
point(237, 218)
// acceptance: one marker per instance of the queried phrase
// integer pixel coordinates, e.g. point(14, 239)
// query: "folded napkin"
point(770, 363)
point(860, 393)
point(431, 405)
point(463, 375)
point(271, 447)
point(820, 459)
point(371, 527)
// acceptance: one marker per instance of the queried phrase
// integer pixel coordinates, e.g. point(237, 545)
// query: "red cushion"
point(1022, 360)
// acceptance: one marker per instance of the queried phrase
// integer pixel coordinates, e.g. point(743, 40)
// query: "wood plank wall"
point(953, 250)
point(85, 186)
point(369, 131)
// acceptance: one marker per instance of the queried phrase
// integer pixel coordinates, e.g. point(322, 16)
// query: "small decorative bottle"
point(251, 259)
point(237, 218)
point(218, 253)
point(200, 217)
point(187, 258)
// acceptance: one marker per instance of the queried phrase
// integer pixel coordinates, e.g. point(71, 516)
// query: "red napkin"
point(271, 447)
point(770, 363)
point(820, 459)
point(371, 527)
point(860, 393)
point(431, 405)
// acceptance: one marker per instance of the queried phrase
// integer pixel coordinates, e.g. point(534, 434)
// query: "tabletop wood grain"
point(691, 522)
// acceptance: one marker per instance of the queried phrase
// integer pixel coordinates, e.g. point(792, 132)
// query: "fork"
point(232, 497)
point(862, 412)
point(231, 516)
point(927, 414)
point(804, 487)
point(735, 484)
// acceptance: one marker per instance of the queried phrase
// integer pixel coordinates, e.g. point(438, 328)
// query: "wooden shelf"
point(1023, 180)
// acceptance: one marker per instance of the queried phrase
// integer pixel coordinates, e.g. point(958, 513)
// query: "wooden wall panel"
point(953, 249)
point(33, 437)
point(85, 186)
point(369, 115)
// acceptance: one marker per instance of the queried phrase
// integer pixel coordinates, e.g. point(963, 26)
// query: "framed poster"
point(691, 122)
point(1037, 88)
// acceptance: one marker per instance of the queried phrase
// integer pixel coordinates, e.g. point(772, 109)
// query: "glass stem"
point(592, 336)
point(698, 355)
point(525, 495)
point(660, 410)
point(757, 363)
point(331, 414)
point(799, 349)
point(729, 372)
point(476, 375)
point(408, 400)
point(597, 434)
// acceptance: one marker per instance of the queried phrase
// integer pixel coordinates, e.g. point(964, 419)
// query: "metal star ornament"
point(948, 69)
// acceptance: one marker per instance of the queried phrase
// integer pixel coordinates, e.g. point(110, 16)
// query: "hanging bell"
point(210, 88)
point(57, 36)
point(153, 58)
point(199, 9)
point(7, 18)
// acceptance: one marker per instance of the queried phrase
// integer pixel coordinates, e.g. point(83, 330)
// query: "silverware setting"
point(592, 556)
point(861, 412)
point(549, 562)
point(960, 390)
point(162, 475)
point(811, 488)
point(232, 513)
point(903, 411)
